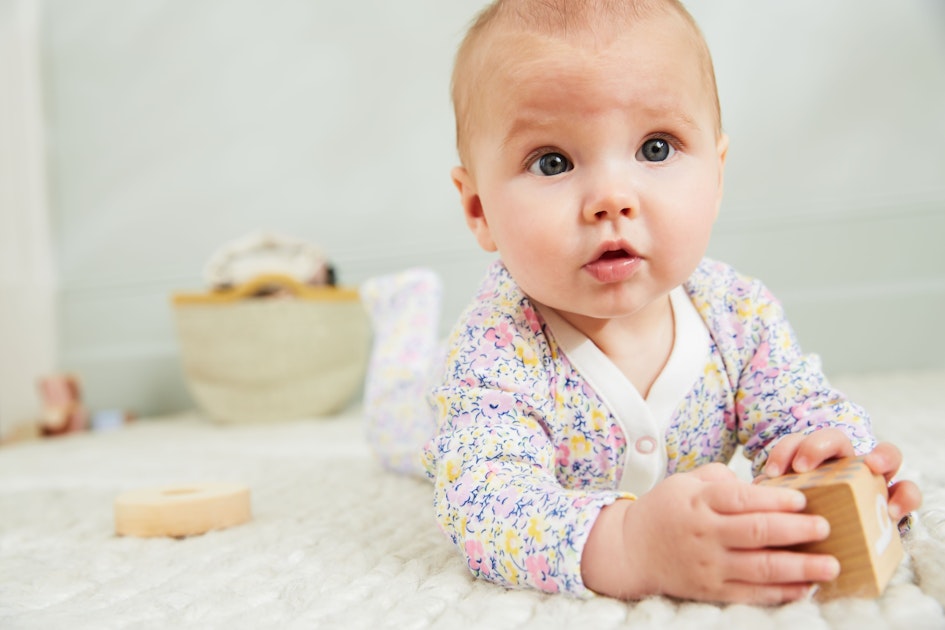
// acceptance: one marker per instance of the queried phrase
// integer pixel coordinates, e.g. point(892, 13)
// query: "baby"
point(605, 372)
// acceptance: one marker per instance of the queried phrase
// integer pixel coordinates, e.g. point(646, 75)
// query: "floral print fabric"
point(526, 454)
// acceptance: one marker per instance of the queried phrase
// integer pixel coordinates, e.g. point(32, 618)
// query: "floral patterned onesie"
point(536, 430)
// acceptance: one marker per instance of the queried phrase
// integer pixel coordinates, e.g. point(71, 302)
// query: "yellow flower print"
point(745, 309)
point(580, 445)
point(513, 543)
point(512, 572)
point(452, 470)
point(686, 462)
point(525, 353)
point(536, 527)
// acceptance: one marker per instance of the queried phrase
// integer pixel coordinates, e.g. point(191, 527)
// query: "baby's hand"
point(803, 453)
point(708, 536)
point(800, 453)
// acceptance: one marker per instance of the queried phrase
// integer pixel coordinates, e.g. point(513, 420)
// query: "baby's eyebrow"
point(657, 115)
point(522, 124)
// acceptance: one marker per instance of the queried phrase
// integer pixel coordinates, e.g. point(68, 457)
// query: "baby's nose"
point(612, 197)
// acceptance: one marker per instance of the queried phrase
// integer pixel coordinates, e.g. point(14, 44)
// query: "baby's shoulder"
point(719, 288)
point(500, 310)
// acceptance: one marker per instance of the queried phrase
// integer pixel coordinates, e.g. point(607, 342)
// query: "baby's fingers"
point(805, 453)
point(782, 567)
point(821, 446)
point(781, 456)
point(904, 497)
point(740, 498)
point(773, 577)
point(761, 530)
point(884, 460)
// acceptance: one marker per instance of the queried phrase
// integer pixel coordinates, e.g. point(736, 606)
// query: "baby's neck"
point(639, 345)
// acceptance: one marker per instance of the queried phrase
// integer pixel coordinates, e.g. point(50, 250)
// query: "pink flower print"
point(463, 420)
point(603, 461)
point(740, 288)
point(531, 318)
point(580, 502)
point(458, 493)
point(476, 558)
point(499, 335)
point(494, 404)
point(538, 569)
point(800, 411)
point(710, 440)
point(486, 357)
point(479, 315)
point(616, 438)
point(506, 503)
point(564, 454)
point(759, 363)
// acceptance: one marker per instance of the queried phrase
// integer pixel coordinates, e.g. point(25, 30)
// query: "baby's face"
point(596, 170)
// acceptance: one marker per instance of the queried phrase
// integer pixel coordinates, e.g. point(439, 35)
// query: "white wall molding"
point(817, 212)
point(27, 278)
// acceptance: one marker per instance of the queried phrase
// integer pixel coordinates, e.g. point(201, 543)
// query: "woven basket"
point(248, 359)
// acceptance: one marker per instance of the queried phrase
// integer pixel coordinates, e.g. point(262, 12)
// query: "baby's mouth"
point(614, 263)
point(615, 254)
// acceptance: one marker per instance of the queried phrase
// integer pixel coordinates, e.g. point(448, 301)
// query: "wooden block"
point(862, 536)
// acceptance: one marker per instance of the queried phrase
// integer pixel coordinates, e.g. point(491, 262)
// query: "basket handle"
point(252, 287)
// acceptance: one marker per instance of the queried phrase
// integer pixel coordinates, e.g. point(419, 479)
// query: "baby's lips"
point(610, 250)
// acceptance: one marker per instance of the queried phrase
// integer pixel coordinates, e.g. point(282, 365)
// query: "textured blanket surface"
point(335, 542)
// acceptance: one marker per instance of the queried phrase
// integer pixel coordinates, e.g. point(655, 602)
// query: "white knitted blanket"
point(337, 543)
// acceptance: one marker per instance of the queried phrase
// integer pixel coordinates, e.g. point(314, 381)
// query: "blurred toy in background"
point(110, 419)
point(63, 411)
point(267, 254)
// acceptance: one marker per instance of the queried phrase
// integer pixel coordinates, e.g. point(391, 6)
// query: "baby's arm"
point(792, 420)
point(782, 391)
point(496, 496)
point(706, 535)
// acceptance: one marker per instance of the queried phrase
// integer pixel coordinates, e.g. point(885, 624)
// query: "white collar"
point(644, 421)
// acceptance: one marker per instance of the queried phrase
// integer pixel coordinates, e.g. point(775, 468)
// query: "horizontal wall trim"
point(358, 263)
point(927, 287)
point(817, 212)
point(353, 265)
point(879, 292)
point(148, 377)
point(119, 352)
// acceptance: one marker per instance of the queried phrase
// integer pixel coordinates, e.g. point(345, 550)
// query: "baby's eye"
point(550, 164)
point(655, 150)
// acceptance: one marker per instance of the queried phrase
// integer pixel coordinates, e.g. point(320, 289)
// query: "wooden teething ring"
point(179, 511)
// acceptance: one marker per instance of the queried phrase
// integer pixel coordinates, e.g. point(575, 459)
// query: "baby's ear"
point(472, 208)
point(722, 150)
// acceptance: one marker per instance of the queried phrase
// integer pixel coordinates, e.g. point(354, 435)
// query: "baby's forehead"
point(517, 60)
point(496, 60)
